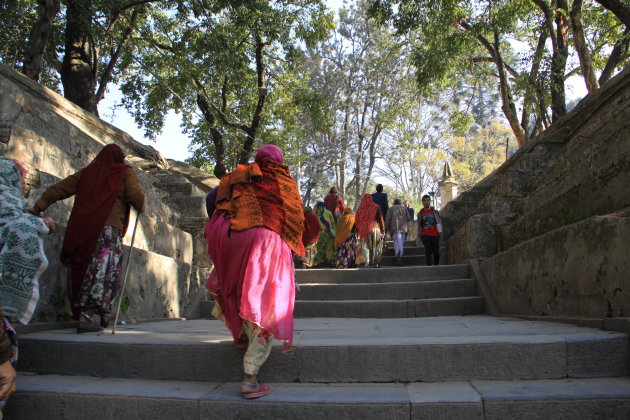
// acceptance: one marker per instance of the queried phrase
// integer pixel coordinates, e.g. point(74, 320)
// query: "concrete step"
point(409, 250)
point(390, 308)
point(398, 290)
point(83, 397)
point(407, 244)
point(389, 260)
point(383, 274)
point(338, 350)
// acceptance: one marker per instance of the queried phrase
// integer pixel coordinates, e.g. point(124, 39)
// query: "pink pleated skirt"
point(252, 278)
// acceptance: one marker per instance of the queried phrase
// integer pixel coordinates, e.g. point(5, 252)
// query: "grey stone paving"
point(350, 332)
point(83, 397)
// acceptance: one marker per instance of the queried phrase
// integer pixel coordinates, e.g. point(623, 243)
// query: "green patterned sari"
point(22, 258)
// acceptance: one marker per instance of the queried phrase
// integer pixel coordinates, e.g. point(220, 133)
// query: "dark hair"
point(397, 201)
point(426, 196)
point(379, 188)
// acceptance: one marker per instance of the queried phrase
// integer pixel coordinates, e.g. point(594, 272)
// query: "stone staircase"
point(369, 343)
point(412, 255)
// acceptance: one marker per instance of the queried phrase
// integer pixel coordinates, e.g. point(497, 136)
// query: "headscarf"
point(264, 194)
point(311, 227)
point(344, 227)
point(270, 152)
point(366, 215)
point(325, 218)
point(97, 192)
point(333, 202)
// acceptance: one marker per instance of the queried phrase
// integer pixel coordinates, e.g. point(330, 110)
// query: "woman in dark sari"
point(92, 245)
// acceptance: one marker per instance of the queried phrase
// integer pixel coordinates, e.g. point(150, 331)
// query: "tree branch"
point(217, 136)
point(619, 51)
point(586, 63)
point(106, 77)
point(260, 105)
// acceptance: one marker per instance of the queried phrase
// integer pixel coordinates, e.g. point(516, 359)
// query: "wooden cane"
point(122, 289)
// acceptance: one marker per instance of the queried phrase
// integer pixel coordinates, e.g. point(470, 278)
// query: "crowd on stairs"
point(257, 228)
point(335, 236)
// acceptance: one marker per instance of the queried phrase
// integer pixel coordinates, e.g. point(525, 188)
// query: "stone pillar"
point(448, 185)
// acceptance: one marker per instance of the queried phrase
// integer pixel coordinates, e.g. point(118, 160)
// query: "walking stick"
point(122, 289)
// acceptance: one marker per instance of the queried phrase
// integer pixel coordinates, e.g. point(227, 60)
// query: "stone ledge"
point(54, 396)
point(580, 270)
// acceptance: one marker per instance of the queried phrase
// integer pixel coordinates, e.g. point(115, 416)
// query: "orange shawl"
point(344, 227)
point(264, 194)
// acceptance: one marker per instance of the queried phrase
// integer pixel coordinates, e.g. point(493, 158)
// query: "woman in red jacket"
point(334, 203)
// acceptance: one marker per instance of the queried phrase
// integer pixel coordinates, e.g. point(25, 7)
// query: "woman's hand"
point(50, 223)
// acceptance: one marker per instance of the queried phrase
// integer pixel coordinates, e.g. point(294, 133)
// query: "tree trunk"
point(530, 91)
point(620, 50)
point(586, 63)
point(372, 156)
point(106, 76)
point(260, 105)
point(38, 39)
point(507, 102)
point(559, 62)
point(217, 137)
point(358, 168)
point(77, 70)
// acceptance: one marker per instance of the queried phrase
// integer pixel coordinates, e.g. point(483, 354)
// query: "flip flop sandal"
point(263, 390)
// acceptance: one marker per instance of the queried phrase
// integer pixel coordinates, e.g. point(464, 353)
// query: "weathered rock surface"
point(540, 222)
point(54, 138)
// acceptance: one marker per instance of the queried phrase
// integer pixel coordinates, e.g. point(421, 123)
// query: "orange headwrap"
point(264, 194)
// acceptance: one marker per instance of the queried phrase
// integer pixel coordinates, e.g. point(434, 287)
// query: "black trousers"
point(432, 248)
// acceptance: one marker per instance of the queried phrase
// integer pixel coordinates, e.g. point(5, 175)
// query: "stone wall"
point(535, 220)
point(582, 269)
point(54, 138)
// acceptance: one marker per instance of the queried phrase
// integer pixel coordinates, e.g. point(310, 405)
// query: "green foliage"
point(460, 122)
point(214, 55)
point(17, 17)
point(476, 155)
point(455, 40)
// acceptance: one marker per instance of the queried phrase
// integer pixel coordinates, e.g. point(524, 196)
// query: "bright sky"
point(173, 144)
